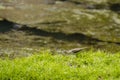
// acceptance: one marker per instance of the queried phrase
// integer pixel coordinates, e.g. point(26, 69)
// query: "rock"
point(17, 26)
point(1, 19)
point(96, 23)
point(26, 11)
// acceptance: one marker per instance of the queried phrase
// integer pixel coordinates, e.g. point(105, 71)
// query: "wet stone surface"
point(63, 25)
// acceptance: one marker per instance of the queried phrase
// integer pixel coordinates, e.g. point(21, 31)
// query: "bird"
point(75, 50)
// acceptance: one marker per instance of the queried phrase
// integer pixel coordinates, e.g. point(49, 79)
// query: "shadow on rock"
point(80, 38)
point(115, 7)
point(5, 26)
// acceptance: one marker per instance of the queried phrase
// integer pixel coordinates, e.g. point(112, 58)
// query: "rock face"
point(16, 2)
point(25, 11)
point(93, 18)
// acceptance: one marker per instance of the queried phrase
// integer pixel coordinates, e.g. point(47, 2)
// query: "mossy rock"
point(100, 24)
point(1, 19)
point(26, 11)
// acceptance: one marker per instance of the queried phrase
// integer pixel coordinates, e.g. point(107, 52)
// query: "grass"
point(46, 66)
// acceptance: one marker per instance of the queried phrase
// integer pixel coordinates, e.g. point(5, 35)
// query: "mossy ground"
point(45, 65)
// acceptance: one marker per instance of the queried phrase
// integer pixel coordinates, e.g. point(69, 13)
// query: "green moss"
point(83, 66)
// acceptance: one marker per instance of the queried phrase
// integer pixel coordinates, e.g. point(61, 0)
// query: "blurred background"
point(27, 26)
